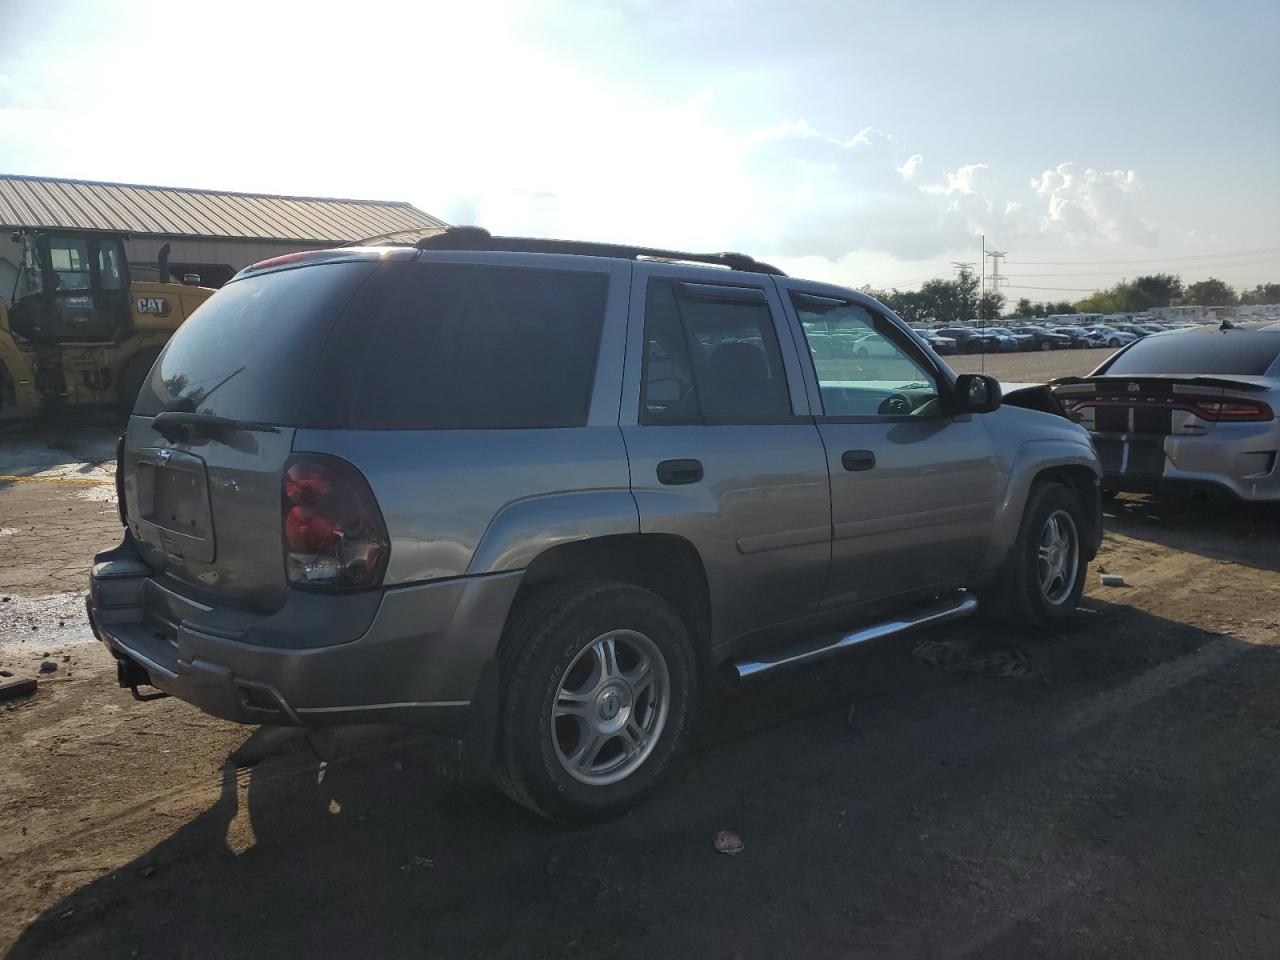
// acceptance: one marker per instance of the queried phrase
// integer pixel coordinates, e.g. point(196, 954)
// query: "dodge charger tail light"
point(334, 536)
point(1234, 411)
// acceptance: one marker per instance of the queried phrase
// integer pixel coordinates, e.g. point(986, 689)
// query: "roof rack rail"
point(478, 238)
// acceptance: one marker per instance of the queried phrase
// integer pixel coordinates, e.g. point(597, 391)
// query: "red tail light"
point(121, 507)
point(1233, 411)
point(334, 536)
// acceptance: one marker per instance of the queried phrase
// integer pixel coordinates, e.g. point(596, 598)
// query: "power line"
point(1019, 286)
point(1180, 267)
point(1202, 256)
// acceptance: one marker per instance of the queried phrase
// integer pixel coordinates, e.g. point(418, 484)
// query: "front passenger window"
point(861, 372)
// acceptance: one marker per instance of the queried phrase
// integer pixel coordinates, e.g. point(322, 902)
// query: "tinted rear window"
point(247, 352)
point(1241, 353)
point(464, 346)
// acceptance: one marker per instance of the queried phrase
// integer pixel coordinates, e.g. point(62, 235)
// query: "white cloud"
point(1087, 204)
point(522, 139)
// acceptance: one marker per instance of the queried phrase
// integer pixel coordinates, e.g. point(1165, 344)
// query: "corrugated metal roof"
point(172, 212)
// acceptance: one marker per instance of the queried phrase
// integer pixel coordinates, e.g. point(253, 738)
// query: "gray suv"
point(536, 494)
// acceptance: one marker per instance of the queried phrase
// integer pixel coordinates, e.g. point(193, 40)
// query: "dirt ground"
point(1107, 791)
point(1036, 367)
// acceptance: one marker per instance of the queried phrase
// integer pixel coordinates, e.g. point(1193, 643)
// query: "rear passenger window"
point(462, 346)
point(710, 354)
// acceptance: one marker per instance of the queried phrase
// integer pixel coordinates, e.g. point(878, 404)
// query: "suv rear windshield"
point(1242, 353)
point(247, 353)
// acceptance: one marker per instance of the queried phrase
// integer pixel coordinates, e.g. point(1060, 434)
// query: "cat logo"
point(155, 306)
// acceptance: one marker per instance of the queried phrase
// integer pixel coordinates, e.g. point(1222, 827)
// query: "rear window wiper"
point(173, 424)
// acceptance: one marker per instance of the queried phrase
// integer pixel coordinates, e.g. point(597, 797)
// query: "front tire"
point(1047, 345)
point(599, 682)
point(1043, 578)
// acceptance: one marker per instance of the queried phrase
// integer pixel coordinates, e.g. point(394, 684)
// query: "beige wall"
point(235, 253)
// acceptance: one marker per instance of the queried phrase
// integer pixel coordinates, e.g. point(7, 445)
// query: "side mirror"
point(977, 393)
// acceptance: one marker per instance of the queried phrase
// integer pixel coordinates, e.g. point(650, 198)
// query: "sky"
point(864, 143)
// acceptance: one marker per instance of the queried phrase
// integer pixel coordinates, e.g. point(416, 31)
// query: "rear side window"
point(248, 351)
point(710, 355)
point(1242, 353)
point(464, 346)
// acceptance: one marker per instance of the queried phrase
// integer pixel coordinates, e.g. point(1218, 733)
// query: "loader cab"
point(71, 288)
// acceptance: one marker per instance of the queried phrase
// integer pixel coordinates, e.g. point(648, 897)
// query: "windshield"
point(30, 280)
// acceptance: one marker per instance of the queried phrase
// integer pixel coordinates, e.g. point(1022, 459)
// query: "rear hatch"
point(213, 429)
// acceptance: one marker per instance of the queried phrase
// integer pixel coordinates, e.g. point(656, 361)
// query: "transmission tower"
point(996, 256)
point(962, 266)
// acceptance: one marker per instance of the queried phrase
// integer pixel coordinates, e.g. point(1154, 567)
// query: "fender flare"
point(526, 528)
point(1032, 458)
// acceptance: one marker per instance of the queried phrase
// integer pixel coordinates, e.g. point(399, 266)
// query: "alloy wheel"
point(1058, 557)
point(610, 707)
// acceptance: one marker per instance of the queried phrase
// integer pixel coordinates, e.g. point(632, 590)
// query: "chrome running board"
point(952, 608)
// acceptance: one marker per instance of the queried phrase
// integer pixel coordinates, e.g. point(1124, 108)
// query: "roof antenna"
point(1226, 324)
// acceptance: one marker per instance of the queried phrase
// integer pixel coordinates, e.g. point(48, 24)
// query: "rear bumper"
point(1237, 461)
point(420, 661)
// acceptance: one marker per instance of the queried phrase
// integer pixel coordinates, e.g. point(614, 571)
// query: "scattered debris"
point(4, 599)
point(66, 658)
point(957, 656)
point(6, 673)
point(48, 666)
point(148, 871)
point(17, 688)
point(1113, 580)
point(729, 842)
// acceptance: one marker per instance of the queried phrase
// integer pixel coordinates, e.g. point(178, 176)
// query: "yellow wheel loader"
point(79, 330)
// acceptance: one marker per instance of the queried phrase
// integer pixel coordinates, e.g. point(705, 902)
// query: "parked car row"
point(1035, 336)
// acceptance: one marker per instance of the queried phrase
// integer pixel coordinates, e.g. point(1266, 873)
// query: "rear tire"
point(1047, 345)
point(599, 682)
point(1113, 342)
point(1043, 577)
point(132, 375)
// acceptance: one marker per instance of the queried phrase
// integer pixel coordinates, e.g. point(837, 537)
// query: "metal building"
point(211, 233)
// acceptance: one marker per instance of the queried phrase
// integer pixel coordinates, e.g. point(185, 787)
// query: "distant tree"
point(944, 301)
point(1134, 296)
point(1209, 293)
point(1262, 293)
point(1104, 301)
point(1156, 290)
point(989, 305)
point(908, 305)
point(1062, 306)
point(1024, 308)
